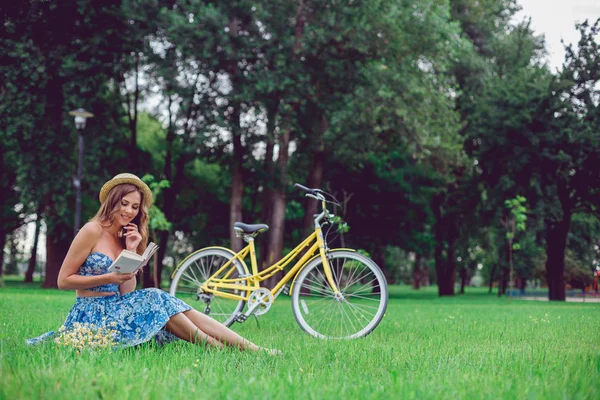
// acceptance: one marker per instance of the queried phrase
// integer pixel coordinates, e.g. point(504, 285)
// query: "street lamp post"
point(80, 117)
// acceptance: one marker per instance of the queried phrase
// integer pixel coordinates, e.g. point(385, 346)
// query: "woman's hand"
point(119, 278)
point(132, 237)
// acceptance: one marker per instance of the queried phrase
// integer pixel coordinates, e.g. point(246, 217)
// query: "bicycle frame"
point(314, 242)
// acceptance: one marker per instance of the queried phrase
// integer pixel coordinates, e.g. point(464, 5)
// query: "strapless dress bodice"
point(97, 264)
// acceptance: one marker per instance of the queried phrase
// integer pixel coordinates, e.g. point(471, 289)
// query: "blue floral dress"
point(136, 317)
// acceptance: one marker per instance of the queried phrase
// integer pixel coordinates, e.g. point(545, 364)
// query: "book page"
point(149, 251)
point(126, 263)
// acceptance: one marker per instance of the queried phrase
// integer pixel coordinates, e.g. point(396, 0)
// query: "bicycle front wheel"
point(195, 270)
point(353, 312)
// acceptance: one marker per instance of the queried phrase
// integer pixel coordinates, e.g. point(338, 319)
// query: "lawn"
point(470, 346)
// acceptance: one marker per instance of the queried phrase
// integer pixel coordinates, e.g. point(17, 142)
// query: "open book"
point(129, 261)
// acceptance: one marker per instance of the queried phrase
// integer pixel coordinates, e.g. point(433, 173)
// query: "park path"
point(588, 299)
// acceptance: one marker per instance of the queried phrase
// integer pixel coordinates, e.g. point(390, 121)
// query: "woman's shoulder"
point(91, 230)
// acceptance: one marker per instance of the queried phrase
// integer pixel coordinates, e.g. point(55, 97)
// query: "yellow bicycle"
point(336, 293)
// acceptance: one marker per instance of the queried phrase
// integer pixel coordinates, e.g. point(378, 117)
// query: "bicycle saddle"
point(250, 229)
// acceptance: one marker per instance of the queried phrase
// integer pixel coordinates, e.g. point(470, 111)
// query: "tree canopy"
point(423, 118)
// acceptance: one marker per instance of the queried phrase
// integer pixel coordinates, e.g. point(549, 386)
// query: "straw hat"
point(126, 178)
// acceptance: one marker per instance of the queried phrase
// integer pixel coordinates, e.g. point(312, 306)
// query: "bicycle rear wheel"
point(355, 311)
point(195, 270)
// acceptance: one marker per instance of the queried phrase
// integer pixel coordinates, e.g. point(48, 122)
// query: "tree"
point(534, 134)
point(515, 222)
point(65, 52)
point(157, 222)
point(571, 154)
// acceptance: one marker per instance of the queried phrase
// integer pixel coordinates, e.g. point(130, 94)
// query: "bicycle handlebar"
point(311, 191)
point(318, 195)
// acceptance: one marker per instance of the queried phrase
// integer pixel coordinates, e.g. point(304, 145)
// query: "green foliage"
point(342, 226)
point(427, 116)
point(578, 273)
point(518, 211)
point(151, 138)
point(584, 239)
point(158, 221)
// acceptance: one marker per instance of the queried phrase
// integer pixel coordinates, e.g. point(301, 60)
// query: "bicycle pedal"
point(241, 318)
point(286, 289)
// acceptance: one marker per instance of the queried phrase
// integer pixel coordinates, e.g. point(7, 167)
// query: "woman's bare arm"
point(80, 249)
point(128, 286)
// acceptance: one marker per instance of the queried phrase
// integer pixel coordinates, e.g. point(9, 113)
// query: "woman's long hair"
point(106, 214)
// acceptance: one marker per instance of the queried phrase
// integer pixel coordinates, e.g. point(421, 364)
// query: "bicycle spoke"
point(348, 324)
point(205, 269)
point(353, 312)
point(319, 285)
point(190, 279)
point(359, 278)
point(322, 308)
point(319, 288)
point(359, 314)
point(322, 312)
point(374, 298)
point(360, 309)
point(324, 280)
point(195, 271)
point(352, 274)
point(218, 304)
point(315, 302)
point(339, 274)
point(365, 285)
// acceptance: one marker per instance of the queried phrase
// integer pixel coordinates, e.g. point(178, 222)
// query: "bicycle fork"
point(323, 250)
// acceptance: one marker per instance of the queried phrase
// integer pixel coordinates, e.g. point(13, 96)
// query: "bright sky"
point(556, 20)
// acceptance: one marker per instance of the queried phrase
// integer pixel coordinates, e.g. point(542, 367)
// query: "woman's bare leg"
point(183, 328)
point(219, 331)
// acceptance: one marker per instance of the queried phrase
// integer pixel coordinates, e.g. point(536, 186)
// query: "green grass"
point(472, 346)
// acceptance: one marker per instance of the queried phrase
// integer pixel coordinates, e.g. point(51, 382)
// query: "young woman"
point(109, 299)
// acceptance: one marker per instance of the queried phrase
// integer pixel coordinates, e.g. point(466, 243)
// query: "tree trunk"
point(463, 280)
point(502, 281)
point(446, 288)
point(237, 179)
point(492, 275)
point(157, 265)
point(2, 244)
point(148, 275)
point(556, 242)
point(33, 258)
point(445, 269)
point(133, 115)
point(130, 101)
point(277, 223)
point(425, 277)
point(58, 235)
point(501, 271)
point(57, 245)
point(237, 190)
point(168, 205)
point(315, 176)
point(269, 168)
point(416, 276)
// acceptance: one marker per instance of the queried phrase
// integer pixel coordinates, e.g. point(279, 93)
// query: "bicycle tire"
point(195, 270)
point(354, 314)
